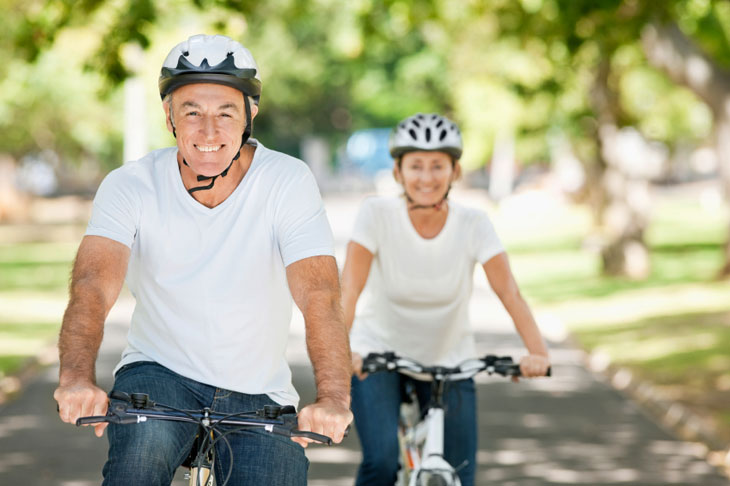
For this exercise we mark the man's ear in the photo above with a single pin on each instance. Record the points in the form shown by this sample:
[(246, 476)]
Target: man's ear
[(168, 121), (254, 109)]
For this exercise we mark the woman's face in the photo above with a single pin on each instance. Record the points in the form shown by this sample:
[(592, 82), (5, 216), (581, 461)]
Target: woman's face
[(426, 176)]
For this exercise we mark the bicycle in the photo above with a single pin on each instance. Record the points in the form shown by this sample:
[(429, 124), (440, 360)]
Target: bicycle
[(137, 408), (421, 432)]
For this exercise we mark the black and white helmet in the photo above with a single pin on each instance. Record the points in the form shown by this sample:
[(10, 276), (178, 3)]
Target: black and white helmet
[(210, 59), (429, 132)]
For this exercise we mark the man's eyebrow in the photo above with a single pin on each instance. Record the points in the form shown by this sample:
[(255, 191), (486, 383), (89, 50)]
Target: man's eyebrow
[(224, 106), (227, 106)]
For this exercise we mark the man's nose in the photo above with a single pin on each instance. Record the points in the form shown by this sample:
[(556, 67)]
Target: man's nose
[(209, 126)]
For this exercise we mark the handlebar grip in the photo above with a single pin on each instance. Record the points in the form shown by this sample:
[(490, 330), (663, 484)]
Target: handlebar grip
[(312, 435), (514, 370), (112, 419), (96, 419)]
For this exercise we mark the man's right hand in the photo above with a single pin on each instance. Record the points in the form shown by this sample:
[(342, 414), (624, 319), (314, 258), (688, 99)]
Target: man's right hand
[(81, 400)]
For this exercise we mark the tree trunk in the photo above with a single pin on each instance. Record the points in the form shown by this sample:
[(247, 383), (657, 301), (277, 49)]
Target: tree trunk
[(722, 142), (667, 48), (624, 191)]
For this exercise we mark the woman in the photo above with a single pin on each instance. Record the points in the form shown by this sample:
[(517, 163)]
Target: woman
[(418, 252)]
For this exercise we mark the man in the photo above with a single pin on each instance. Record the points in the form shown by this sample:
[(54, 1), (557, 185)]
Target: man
[(215, 236)]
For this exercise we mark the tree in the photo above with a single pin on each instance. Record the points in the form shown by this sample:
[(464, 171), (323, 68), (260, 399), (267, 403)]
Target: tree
[(669, 49), (527, 68)]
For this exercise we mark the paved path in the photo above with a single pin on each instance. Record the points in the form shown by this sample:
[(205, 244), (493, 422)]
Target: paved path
[(572, 429)]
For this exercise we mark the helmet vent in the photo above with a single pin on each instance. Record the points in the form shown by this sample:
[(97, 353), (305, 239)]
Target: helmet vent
[(429, 132)]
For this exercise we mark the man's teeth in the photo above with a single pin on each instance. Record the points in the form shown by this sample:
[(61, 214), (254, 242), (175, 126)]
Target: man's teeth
[(208, 148)]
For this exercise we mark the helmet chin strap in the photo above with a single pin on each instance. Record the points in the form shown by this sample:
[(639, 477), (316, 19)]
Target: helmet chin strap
[(244, 138)]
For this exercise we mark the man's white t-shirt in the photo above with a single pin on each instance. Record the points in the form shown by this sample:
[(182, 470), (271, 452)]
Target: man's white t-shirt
[(417, 295), (212, 299)]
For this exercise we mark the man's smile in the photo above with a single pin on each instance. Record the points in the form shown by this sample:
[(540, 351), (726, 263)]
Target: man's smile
[(208, 148)]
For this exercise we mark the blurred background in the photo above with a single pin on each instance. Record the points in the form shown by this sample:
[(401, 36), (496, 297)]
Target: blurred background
[(597, 137)]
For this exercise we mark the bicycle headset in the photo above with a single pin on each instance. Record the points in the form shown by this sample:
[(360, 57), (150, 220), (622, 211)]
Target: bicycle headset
[(213, 59), (427, 133)]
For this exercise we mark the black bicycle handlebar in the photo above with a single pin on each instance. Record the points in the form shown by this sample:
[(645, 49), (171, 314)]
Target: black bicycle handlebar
[(389, 361), (137, 408)]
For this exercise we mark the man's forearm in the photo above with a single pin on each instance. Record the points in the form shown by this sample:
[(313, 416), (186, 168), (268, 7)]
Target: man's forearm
[(81, 334), (315, 287), (328, 347)]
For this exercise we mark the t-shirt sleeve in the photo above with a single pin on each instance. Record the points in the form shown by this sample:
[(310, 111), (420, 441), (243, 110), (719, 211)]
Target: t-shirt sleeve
[(302, 228), (116, 209), (485, 241), (364, 232)]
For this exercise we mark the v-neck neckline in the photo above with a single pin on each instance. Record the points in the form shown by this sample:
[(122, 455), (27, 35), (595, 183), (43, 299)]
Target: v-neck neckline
[(227, 201)]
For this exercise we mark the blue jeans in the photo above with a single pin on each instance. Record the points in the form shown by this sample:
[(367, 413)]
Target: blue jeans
[(149, 453), (376, 405)]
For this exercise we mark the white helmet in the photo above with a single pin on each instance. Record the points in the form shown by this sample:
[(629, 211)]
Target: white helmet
[(210, 59), (429, 132)]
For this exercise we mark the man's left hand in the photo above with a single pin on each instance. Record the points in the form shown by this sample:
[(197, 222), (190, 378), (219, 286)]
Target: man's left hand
[(325, 416)]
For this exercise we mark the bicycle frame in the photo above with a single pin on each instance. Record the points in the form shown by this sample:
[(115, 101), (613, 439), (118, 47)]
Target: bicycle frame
[(422, 437), (201, 460), (422, 458)]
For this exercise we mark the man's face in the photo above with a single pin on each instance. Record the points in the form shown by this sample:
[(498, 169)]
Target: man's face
[(209, 120)]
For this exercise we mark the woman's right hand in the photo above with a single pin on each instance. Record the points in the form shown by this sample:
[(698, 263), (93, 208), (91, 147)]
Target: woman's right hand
[(357, 367)]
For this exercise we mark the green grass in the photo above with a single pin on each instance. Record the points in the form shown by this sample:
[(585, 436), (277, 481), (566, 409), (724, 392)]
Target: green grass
[(11, 363), (672, 329), (20, 341), (33, 284), (36, 266), (684, 355)]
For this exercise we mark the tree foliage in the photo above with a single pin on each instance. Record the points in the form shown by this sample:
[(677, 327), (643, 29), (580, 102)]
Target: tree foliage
[(524, 68)]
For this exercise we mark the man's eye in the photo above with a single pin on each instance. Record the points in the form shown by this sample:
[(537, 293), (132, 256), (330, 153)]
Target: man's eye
[(192, 113)]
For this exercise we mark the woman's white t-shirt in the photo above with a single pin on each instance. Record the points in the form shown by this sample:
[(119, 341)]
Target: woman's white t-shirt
[(416, 301)]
